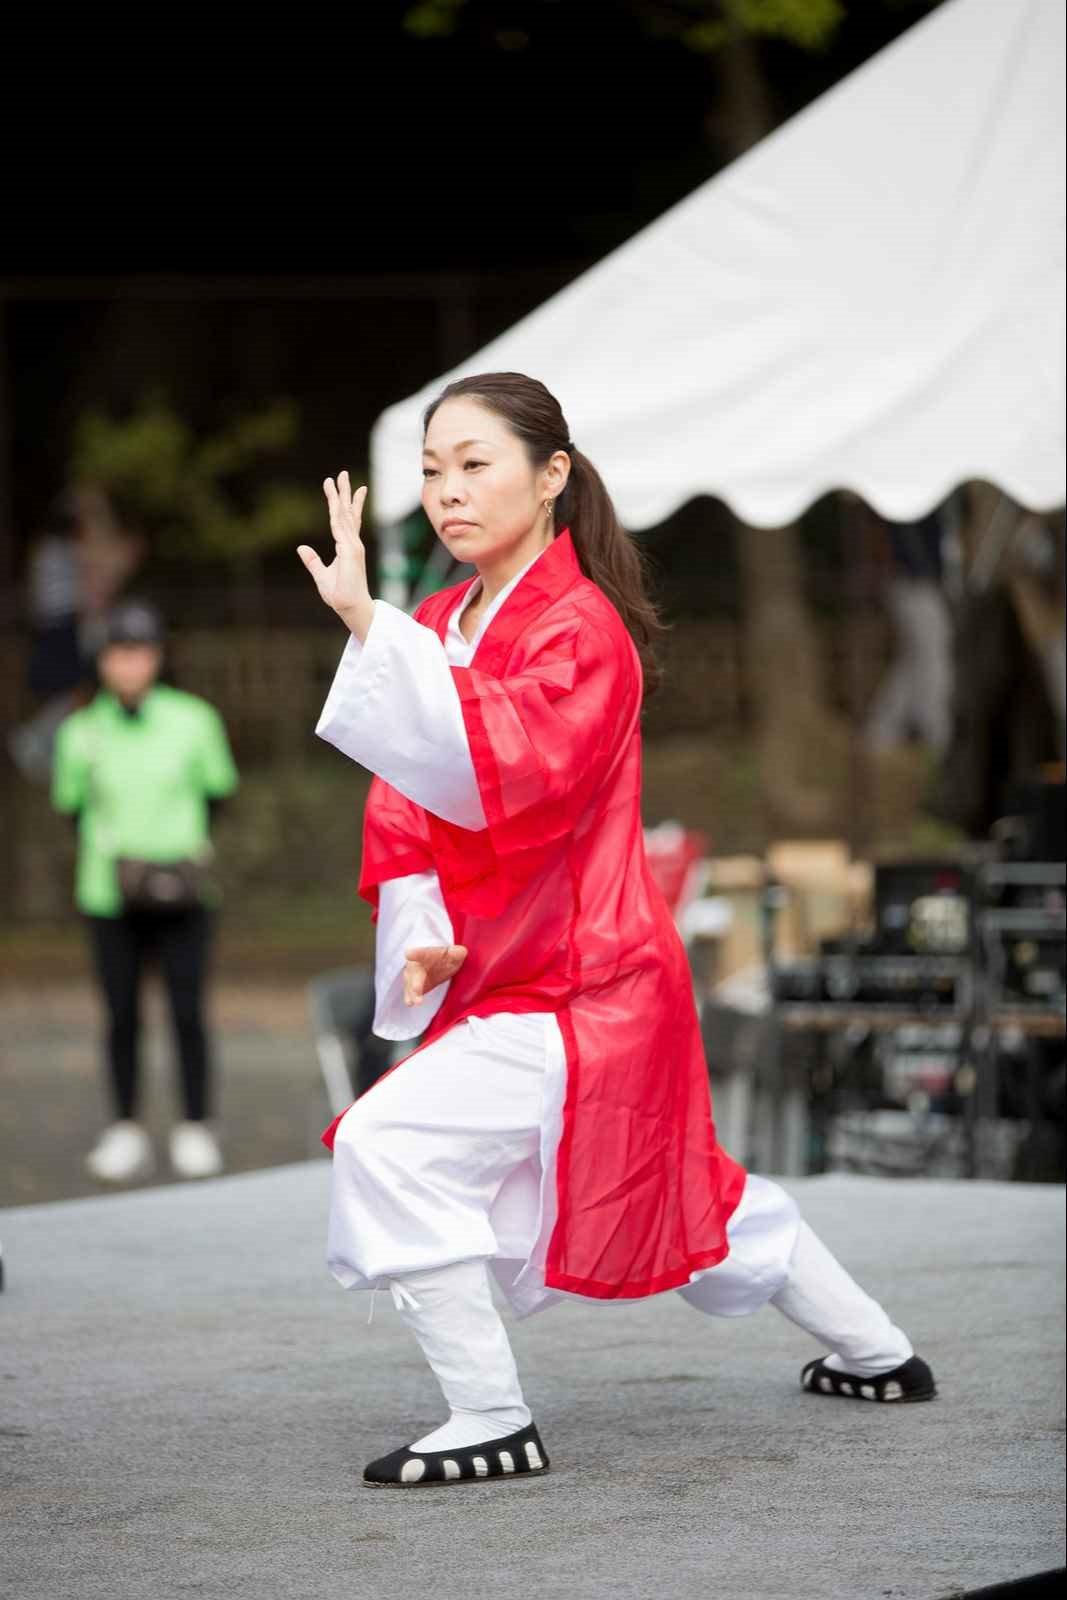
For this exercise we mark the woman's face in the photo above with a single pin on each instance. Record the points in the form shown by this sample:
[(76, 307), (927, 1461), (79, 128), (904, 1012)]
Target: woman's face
[(479, 490), (129, 670)]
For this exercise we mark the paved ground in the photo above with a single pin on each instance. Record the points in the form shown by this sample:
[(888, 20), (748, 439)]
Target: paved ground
[(187, 1401), (270, 1103)]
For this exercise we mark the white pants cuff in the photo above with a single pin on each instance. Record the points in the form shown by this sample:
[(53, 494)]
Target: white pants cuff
[(450, 1311), (820, 1297)]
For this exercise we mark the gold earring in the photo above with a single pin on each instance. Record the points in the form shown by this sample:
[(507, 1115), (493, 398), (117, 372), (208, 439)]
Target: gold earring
[(548, 507)]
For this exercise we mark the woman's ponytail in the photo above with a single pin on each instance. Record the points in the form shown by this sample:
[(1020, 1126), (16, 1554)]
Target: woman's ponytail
[(608, 556)]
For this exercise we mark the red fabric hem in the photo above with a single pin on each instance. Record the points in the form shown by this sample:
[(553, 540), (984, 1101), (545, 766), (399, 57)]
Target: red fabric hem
[(676, 1279), (566, 1138), (328, 1135)]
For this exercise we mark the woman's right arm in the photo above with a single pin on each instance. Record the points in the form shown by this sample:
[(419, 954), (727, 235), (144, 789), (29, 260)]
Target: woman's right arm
[(393, 708), (517, 758), (411, 912)]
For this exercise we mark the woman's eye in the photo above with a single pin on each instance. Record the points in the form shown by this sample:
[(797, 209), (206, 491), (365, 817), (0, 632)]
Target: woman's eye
[(428, 472), (474, 464)]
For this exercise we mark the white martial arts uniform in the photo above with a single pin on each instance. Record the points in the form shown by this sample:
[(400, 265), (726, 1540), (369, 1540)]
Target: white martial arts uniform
[(450, 1158)]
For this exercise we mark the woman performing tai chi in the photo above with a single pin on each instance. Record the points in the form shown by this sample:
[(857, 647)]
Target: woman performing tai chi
[(555, 1125)]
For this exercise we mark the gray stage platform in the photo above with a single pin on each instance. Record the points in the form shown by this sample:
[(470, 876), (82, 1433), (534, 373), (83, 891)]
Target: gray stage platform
[(188, 1400)]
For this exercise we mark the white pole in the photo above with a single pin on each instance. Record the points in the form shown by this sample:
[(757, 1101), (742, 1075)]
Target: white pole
[(393, 565)]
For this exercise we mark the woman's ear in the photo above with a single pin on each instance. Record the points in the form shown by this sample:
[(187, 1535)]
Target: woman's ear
[(556, 474)]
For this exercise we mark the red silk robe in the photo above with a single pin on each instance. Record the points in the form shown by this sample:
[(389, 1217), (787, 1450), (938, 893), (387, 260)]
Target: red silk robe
[(556, 905)]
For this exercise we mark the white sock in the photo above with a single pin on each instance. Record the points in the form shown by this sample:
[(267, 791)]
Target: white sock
[(450, 1310), (465, 1428), (820, 1297)]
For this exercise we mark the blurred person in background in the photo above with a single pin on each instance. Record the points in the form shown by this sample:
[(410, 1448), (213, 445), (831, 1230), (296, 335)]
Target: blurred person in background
[(914, 701), (141, 769), (57, 670), (1009, 722), (77, 567)]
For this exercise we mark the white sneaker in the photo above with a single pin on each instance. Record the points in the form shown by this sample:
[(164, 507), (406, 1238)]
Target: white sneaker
[(194, 1151), (122, 1153)]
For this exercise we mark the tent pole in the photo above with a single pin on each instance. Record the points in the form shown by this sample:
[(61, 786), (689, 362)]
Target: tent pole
[(393, 565), (854, 538)]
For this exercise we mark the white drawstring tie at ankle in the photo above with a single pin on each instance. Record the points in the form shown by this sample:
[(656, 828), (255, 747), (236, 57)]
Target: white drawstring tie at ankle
[(401, 1297), (451, 1313)]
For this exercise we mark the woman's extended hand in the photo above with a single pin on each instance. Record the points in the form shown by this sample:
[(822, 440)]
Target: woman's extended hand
[(343, 583), (429, 965)]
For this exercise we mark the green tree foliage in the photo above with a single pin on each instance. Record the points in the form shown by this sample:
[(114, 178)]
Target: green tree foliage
[(198, 495), (706, 25), (434, 19), (698, 25)]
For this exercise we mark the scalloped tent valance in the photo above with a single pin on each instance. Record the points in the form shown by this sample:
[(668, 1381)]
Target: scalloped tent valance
[(872, 298)]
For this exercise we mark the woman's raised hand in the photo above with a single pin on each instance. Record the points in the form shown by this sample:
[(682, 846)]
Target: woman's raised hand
[(343, 582), (429, 965)]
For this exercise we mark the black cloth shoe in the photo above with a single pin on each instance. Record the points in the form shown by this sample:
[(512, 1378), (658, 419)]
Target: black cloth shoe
[(912, 1381), (510, 1456)]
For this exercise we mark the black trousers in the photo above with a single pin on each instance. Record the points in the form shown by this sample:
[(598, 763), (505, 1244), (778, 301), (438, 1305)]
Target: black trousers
[(179, 942)]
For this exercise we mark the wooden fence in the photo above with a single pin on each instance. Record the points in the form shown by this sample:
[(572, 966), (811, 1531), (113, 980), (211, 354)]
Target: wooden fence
[(269, 684)]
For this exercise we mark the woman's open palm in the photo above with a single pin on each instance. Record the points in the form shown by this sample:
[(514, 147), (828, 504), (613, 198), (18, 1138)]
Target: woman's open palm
[(342, 583)]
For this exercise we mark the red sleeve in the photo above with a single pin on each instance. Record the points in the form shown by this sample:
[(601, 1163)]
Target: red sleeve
[(396, 840)]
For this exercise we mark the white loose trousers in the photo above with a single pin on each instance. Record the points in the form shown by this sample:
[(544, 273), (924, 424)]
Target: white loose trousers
[(451, 1157)]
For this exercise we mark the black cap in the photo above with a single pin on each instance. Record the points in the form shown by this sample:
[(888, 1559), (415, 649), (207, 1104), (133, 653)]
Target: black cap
[(133, 622)]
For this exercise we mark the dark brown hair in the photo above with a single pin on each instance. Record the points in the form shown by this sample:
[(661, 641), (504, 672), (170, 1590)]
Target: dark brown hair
[(605, 551)]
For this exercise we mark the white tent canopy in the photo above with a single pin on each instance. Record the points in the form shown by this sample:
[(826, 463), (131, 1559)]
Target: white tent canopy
[(872, 299)]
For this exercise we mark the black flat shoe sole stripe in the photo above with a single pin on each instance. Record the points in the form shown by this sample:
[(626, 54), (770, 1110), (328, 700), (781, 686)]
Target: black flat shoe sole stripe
[(452, 1483)]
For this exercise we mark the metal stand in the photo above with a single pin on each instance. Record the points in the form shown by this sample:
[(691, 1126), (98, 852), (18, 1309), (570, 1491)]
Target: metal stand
[(983, 1009)]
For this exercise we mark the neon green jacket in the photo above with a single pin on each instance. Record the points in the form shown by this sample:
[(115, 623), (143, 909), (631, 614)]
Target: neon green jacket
[(140, 783)]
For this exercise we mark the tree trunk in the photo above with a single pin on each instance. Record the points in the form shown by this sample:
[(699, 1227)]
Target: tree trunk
[(10, 605), (802, 744)]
